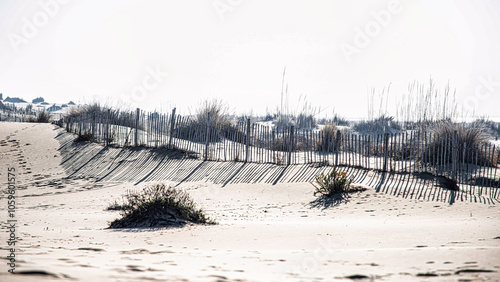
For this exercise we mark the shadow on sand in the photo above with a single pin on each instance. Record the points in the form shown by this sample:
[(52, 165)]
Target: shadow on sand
[(138, 165)]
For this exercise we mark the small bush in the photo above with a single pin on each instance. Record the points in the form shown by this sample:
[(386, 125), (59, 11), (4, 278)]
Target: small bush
[(157, 205), (336, 181)]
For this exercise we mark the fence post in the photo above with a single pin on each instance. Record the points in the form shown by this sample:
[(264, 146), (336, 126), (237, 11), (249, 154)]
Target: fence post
[(247, 140), (454, 154), (208, 137), (290, 147), (337, 146), (273, 144), (107, 127), (80, 126), (92, 128), (137, 113), (386, 150), (172, 125)]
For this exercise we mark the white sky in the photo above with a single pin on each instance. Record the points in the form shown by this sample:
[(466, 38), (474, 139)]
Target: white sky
[(88, 49)]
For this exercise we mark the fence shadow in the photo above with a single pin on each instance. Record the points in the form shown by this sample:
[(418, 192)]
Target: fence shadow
[(138, 165)]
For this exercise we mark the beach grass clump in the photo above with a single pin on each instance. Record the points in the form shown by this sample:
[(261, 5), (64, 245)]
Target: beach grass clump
[(493, 128), (157, 205), (43, 117), (328, 137), (382, 124), (336, 181), (212, 113), (216, 108), (471, 140), (97, 111), (92, 108), (338, 120)]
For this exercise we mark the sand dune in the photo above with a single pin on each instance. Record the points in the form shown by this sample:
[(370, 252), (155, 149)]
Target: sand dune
[(271, 227)]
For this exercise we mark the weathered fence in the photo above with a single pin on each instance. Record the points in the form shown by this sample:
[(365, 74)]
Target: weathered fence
[(204, 138), (16, 115)]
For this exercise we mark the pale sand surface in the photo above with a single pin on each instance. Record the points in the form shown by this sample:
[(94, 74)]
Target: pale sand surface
[(270, 226)]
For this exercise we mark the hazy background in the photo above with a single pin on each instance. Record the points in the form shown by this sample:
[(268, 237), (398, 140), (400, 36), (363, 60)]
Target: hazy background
[(237, 50)]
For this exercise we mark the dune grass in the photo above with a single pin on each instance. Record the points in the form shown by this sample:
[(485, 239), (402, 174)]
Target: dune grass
[(157, 205), (470, 138), (41, 117), (336, 181)]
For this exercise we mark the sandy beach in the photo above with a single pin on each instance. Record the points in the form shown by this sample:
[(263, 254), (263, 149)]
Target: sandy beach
[(270, 225)]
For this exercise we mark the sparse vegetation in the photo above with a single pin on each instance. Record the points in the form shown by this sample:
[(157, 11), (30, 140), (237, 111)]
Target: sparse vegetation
[(337, 181), (157, 205)]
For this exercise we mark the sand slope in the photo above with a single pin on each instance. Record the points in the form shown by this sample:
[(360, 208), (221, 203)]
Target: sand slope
[(271, 227)]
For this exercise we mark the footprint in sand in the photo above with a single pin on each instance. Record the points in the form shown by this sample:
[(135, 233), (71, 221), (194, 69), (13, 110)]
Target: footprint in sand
[(136, 268), (357, 277), (37, 273), (91, 249)]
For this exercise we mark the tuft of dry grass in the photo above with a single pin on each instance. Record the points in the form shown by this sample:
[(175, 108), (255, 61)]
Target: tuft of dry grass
[(42, 117), (157, 205), (328, 137), (336, 181), (218, 112), (471, 140)]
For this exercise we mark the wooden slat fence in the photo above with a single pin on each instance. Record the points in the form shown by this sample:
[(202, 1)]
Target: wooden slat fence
[(405, 152)]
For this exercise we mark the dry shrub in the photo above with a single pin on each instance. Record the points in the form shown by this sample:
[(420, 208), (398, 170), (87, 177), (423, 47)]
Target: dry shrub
[(157, 205), (336, 181)]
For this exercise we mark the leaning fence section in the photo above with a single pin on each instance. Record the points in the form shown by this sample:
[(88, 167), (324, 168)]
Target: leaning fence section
[(205, 138)]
